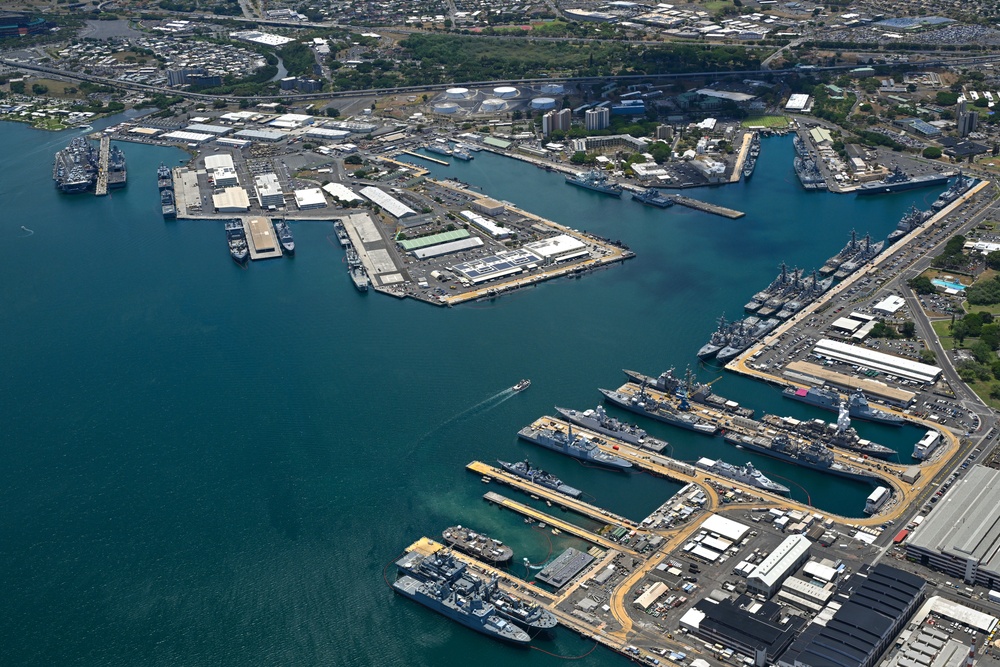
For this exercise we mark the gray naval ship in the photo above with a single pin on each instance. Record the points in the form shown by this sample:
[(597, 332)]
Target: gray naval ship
[(840, 434), (460, 601), (744, 474), (442, 566), (575, 445), (828, 399), (601, 422), (700, 392), (525, 470), (642, 403)]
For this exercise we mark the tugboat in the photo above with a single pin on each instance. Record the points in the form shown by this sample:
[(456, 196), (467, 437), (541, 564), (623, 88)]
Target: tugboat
[(284, 234), (475, 544), (521, 386)]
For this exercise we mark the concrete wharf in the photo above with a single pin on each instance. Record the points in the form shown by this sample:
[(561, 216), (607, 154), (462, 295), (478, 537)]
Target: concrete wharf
[(102, 166), (706, 207), (428, 158), (555, 522), (741, 157), (263, 241), (574, 505)]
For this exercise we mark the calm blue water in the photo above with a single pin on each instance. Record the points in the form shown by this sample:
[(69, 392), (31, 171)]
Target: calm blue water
[(205, 465)]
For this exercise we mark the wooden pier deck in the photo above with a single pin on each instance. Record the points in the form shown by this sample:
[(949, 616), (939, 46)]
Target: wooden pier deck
[(704, 206), (102, 166)]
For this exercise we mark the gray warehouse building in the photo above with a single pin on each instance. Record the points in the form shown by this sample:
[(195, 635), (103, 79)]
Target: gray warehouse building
[(758, 630), (961, 537), (865, 626)]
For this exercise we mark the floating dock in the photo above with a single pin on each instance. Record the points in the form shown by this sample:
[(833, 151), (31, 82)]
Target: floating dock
[(102, 166), (263, 241), (428, 158), (704, 206)]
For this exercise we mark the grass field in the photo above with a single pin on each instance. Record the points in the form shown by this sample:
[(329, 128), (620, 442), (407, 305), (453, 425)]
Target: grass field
[(766, 121), (49, 124), (943, 330)]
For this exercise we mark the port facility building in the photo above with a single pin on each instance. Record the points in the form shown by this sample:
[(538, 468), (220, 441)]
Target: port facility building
[(766, 578), (864, 626), (752, 628), (341, 192), (961, 537), (724, 527), (488, 226), (387, 202), (559, 248), (231, 200), (309, 198), (889, 364), (269, 191), (188, 137), (496, 266)]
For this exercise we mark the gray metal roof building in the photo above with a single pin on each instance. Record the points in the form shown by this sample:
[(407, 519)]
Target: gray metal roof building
[(864, 626), (754, 629), (962, 535)]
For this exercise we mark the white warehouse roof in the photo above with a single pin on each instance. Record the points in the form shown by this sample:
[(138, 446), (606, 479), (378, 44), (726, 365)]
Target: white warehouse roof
[(727, 528), (880, 361), (219, 161), (781, 561), (310, 198), (341, 192), (557, 246), (393, 206)]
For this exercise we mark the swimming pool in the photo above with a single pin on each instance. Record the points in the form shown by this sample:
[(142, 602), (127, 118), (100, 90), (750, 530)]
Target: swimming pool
[(950, 285)]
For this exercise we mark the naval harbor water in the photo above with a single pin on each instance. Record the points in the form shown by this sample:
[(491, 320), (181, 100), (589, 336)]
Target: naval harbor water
[(205, 465)]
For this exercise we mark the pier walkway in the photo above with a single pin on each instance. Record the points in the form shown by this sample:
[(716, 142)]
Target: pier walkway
[(579, 506), (102, 166), (428, 158), (555, 522), (705, 207)]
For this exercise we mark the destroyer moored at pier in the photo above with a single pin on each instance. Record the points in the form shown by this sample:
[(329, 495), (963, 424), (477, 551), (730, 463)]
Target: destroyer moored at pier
[(642, 403), (578, 446), (597, 181), (898, 181), (525, 470), (743, 474), (599, 421), (828, 399)]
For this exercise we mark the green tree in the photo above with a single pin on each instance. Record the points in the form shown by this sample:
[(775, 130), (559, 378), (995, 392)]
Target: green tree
[(932, 153), (921, 285), (908, 329), (993, 259), (990, 334)]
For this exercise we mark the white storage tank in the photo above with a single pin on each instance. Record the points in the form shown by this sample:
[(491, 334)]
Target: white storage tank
[(505, 92), (543, 103), (445, 107), (493, 104), (457, 93), (553, 89)]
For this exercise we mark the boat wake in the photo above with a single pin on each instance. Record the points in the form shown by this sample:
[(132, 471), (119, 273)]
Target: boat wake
[(482, 406), (30, 232)]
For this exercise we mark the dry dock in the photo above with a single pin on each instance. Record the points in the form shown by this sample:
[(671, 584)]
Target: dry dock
[(102, 166), (704, 206), (263, 241)]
